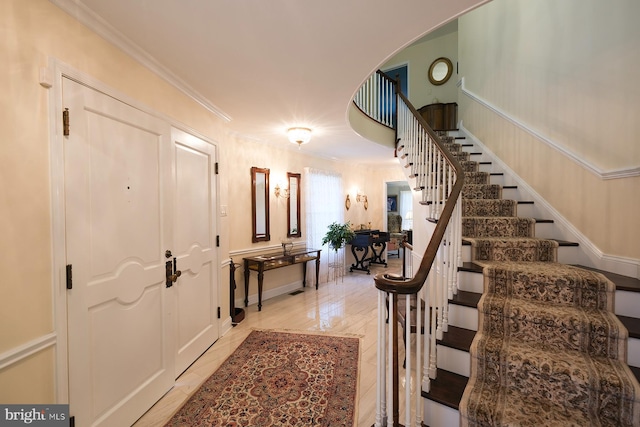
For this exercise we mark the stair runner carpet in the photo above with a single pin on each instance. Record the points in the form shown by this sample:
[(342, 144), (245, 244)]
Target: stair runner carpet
[(549, 350)]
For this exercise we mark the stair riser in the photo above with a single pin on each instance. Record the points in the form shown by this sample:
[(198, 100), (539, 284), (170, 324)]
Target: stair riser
[(471, 281), (527, 210), (453, 360), (627, 304), (485, 167), (633, 352), (545, 230), (437, 415), (566, 254), (463, 317)]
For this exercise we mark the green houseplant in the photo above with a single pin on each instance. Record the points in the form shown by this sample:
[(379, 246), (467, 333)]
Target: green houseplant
[(338, 235)]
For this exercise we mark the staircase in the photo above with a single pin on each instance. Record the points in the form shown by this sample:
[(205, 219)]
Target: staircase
[(578, 366), (607, 355)]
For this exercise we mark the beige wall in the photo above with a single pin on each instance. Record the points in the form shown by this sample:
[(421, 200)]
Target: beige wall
[(34, 31), (419, 58), (569, 71), (369, 180)]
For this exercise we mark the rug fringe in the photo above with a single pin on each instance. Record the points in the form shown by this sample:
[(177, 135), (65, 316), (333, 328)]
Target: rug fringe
[(306, 332)]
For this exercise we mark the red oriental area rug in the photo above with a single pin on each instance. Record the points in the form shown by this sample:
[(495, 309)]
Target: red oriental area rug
[(279, 379)]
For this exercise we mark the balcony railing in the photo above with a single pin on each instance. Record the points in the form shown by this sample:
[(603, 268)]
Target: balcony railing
[(439, 178)]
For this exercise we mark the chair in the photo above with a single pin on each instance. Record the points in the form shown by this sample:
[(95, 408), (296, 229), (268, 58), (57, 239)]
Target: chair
[(394, 227)]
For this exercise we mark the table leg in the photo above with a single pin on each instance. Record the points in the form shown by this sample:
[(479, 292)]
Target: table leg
[(360, 261), (260, 280), (317, 270), (246, 283), (304, 274)]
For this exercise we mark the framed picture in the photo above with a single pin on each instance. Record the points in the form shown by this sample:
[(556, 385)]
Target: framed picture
[(392, 203)]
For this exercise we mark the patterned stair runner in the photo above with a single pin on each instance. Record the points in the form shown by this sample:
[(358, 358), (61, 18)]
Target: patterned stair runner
[(549, 350)]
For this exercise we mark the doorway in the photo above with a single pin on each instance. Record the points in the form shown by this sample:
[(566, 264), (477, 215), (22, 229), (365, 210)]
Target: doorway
[(139, 234)]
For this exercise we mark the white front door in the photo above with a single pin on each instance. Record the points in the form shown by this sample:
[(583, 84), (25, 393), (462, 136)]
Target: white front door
[(130, 196), (194, 237)]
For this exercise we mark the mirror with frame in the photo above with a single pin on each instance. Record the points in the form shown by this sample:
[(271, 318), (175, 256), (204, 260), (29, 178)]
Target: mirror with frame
[(440, 71), (293, 207), (260, 204)]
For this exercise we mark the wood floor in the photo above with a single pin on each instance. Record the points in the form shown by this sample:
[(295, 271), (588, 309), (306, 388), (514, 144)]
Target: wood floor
[(347, 306)]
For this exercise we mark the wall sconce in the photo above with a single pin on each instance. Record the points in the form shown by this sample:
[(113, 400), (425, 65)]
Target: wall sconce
[(362, 198), (299, 135), (281, 193), (347, 203)]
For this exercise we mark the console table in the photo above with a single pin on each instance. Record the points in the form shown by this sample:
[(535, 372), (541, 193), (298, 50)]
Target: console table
[(275, 260)]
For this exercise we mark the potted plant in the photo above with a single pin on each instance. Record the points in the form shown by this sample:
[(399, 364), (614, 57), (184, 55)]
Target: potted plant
[(338, 235)]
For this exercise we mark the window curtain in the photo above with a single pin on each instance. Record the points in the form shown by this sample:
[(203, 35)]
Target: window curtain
[(324, 205), (406, 206)]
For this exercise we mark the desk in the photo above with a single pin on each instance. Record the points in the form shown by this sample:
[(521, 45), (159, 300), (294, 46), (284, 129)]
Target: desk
[(275, 260), (362, 242)]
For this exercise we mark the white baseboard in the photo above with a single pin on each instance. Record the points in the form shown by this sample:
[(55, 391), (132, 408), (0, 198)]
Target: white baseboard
[(225, 326), (272, 293)]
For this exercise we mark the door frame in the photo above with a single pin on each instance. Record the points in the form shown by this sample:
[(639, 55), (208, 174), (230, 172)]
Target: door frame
[(51, 77)]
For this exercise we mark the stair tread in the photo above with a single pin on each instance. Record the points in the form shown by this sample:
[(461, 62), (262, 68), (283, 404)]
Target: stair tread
[(636, 372), (471, 267), (632, 324), (458, 338), (543, 221), (466, 298), (447, 388), (623, 283)]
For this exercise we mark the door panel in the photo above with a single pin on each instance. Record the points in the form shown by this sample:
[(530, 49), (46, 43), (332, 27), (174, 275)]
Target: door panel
[(194, 243), (121, 349)]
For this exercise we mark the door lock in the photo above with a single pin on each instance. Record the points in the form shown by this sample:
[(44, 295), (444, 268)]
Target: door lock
[(172, 273)]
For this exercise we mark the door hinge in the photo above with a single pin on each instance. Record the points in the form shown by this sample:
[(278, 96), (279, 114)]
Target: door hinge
[(69, 277), (219, 315), (65, 122), (216, 168), (218, 241)]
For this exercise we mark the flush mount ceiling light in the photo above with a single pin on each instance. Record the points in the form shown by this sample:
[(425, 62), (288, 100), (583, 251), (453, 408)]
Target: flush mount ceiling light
[(299, 135)]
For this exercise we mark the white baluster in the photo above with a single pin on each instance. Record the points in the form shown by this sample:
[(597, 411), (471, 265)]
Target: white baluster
[(381, 383), (418, 375), (408, 359), (392, 324)]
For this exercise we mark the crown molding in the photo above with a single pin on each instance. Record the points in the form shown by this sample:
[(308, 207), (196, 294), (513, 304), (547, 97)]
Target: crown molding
[(86, 16), (602, 174)]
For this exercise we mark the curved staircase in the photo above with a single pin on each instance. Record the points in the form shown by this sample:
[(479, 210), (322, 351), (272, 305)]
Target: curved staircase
[(546, 347)]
